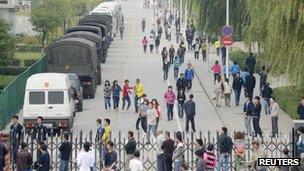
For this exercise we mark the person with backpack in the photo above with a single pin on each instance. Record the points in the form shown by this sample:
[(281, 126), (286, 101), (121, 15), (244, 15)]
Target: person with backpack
[(171, 54), (144, 43), (181, 52), (256, 115), (266, 95), (210, 158), (225, 147), (189, 76), (239, 148), (100, 130), (181, 83), (181, 98), (247, 110), (176, 64), (143, 24)]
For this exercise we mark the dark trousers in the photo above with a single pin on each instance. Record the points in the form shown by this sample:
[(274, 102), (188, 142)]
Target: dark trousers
[(171, 59), (196, 55), (168, 162), (145, 48), (181, 110), (157, 121), (124, 99), (215, 76), (151, 48), (256, 126), (237, 93), (190, 119), (160, 162), (249, 93), (189, 84), (170, 111), (274, 125), (115, 102), (165, 75), (143, 123), (176, 73), (135, 103), (204, 55)]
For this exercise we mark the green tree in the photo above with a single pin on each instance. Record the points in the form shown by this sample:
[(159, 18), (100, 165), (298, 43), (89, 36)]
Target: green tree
[(7, 43), (46, 17)]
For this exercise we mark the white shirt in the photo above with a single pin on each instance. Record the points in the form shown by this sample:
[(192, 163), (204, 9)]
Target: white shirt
[(136, 165), (85, 160)]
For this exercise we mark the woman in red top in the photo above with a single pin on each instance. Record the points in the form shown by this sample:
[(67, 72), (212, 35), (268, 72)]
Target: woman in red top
[(216, 68), (157, 108), (144, 42), (125, 95)]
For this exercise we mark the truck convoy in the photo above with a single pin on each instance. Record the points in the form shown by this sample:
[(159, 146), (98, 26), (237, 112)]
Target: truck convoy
[(75, 59)]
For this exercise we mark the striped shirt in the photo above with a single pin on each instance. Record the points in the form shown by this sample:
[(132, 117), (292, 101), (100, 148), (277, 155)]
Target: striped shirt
[(210, 159)]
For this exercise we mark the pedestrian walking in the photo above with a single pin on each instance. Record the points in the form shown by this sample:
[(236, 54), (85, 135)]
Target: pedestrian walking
[(159, 151), (43, 162), (121, 29), (16, 133), (247, 110), (200, 163), (224, 55), (235, 69), (181, 52), (176, 64), (143, 24), (171, 54), (250, 85), (159, 31), (244, 76), (100, 130), (225, 146), (116, 94), (169, 97), (189, 76), (143, 107), (257, 153), (227, 92), (216, 68), (190, 112), (300, 109), (151, 121), (110, 157), (210, 158), (151, 44), (164, 55), (181, 98), (181, 83), (158, 111), (178, 156), (266, 95), (274, 113), (196, 48), (219, 88), (168, 148), (24, 158), (135, 164), (189, 37), (256, 114), (144, 43), (237, 88), (65, 150), (166, 66), (263, 78), (107, 131), (125, 95), (85, 160), (169, 33), (250, 63), (204, 51), (107, 92), (130, 148), (157, 43), (239, 148), (139, 91)]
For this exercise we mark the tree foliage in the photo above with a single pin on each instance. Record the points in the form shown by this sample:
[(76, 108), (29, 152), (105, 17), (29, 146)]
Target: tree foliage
[(7, 43)]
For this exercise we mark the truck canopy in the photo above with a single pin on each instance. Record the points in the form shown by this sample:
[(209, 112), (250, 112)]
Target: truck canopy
[(92, 29)]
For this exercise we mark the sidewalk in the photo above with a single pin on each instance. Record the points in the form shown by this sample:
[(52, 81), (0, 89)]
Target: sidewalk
[(233, 116)]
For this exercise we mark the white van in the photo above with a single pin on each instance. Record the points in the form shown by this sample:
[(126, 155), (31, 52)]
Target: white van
[(49, 95)]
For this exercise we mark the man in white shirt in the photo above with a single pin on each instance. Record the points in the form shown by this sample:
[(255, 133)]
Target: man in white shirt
[(135, 164)]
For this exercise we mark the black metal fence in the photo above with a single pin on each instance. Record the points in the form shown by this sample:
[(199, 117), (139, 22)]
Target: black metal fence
[(273, 147)]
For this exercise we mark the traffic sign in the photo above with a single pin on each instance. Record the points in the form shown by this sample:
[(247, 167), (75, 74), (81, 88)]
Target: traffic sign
[(227, 30), (227, 41)]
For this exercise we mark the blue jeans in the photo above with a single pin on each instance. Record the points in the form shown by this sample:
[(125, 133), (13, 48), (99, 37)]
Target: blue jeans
[(151, 130), (64, 165), (170, 111), (266, 105), (237, 93), (107, 102), (223, 161), (177, 166), (124, 99), (160, 162), (175, 73), (115, 102)]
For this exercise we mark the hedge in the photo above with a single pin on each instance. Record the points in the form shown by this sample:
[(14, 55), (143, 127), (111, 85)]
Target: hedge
[(12, 70), (27, 48), (15, 62), (29, 62)]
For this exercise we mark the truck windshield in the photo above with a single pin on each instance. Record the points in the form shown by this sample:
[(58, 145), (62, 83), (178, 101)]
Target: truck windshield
[(36, 97), (70, 54), (55, 97)]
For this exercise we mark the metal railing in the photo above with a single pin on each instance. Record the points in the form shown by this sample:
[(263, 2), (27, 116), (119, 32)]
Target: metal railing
[(273, 147)]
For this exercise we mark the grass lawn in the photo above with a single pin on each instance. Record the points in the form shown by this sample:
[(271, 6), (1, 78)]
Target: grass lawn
[(288, 98), (5, 80), (28, 55)]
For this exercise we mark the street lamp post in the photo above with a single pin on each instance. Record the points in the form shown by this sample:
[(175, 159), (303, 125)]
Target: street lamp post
[(227, 50)]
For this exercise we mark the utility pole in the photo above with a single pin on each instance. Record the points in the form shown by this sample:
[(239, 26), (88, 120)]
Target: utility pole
[(227, 49)]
